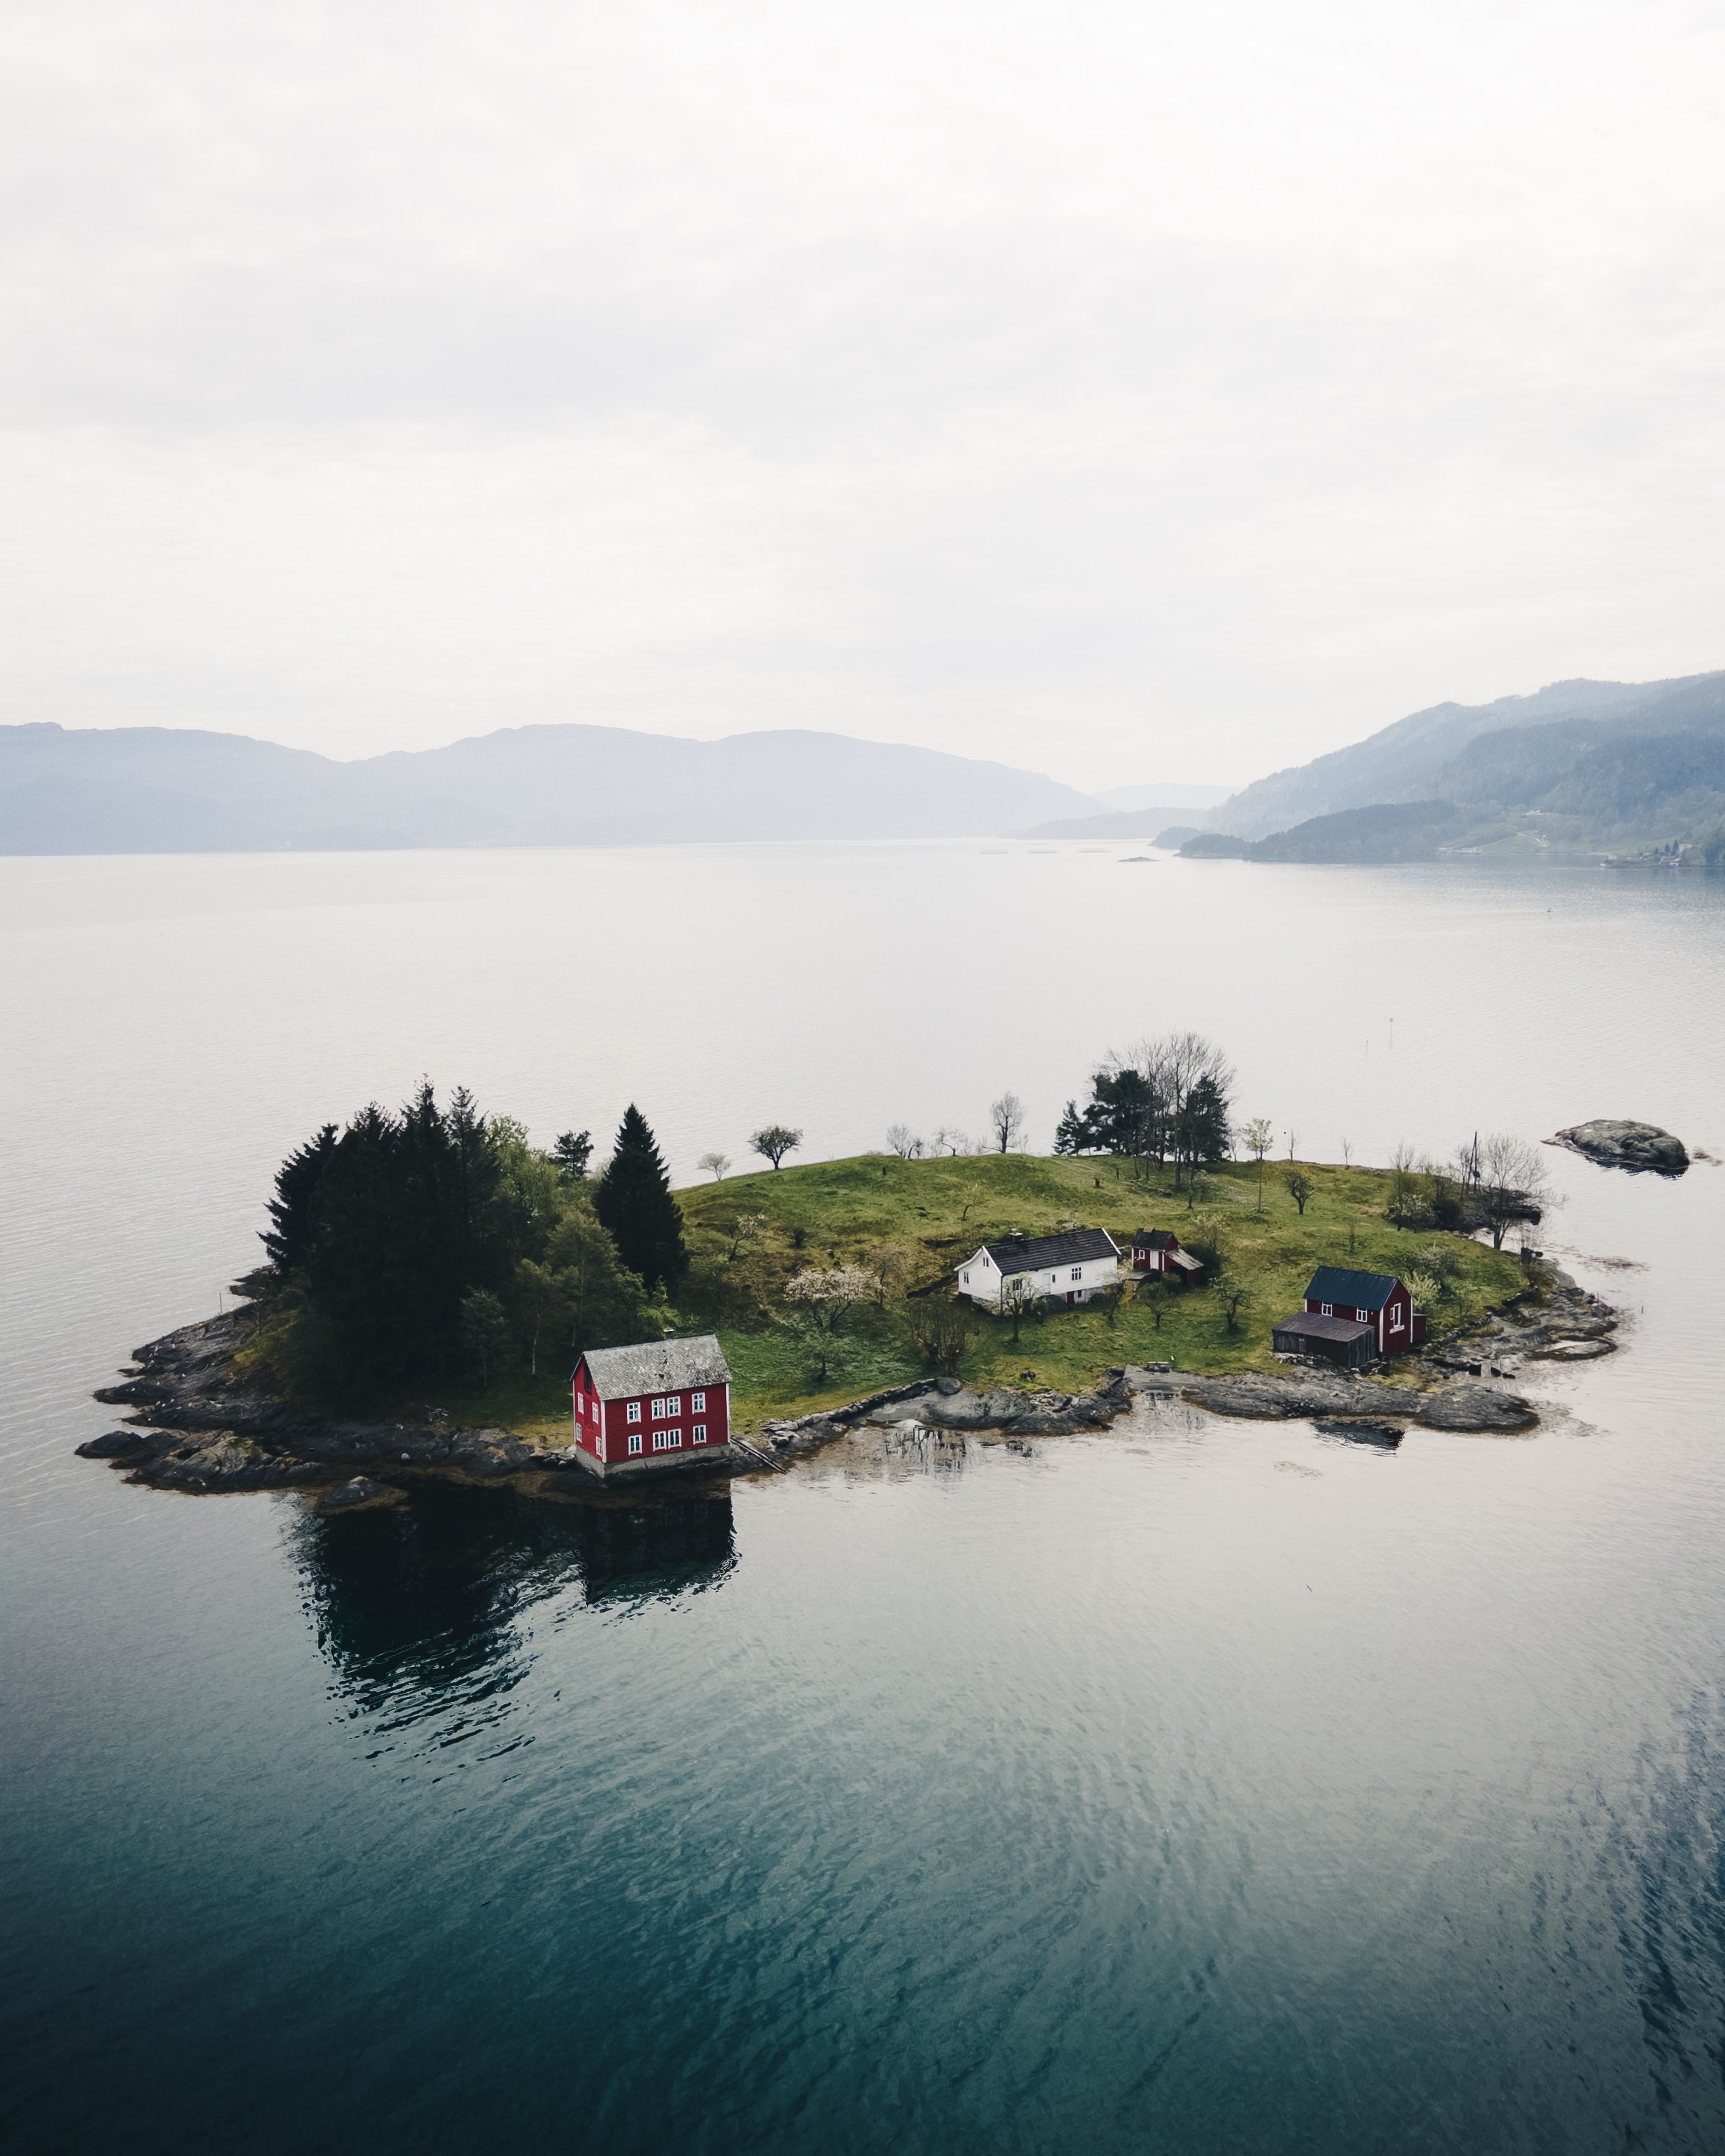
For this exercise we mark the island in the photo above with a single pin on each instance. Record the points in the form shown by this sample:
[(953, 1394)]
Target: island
[(834, 1289)]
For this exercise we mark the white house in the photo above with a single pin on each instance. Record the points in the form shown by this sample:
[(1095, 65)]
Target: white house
[(1068, 1268)]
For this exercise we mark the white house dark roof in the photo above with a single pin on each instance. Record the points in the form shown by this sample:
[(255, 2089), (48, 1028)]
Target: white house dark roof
[(1029, 1254), (656, 1366), (1364, 1291)]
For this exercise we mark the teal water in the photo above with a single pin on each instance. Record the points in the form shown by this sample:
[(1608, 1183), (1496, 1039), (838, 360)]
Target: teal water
[(1198, 1787)]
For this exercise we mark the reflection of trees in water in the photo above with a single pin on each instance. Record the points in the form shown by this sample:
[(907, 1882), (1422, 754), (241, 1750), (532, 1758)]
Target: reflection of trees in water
[(416, 1608)]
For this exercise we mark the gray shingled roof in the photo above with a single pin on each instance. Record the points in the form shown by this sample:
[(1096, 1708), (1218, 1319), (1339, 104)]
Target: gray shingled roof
[(1154, 1239), (656, 1366), (1036, 1252), (1306, 1326), (1364, 1291)]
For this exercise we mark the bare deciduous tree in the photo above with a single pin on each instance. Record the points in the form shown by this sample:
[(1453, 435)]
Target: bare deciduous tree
[(1018, 1299), (774, 1140), (1006, 1118), (1404, 1201), (943, 1327), (716, 1164), (1258, 1137), (950, 1140), (891, 1264), (1513, 1183), (904, 1142)]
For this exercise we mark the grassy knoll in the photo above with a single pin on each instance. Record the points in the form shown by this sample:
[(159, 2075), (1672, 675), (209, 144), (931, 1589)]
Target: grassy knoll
[(750, 1233)]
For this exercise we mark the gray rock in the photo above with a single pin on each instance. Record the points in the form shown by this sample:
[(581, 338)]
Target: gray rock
[(115, 1445), (1386, 1434), (1635, 1146), (348, 1497), (1475, 1408)]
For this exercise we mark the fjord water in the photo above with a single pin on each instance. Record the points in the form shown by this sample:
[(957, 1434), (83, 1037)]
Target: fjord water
[(1199, 1786)]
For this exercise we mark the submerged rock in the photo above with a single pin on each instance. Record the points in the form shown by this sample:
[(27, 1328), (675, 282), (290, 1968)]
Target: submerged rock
[(1635, 1146), (358, 1495)]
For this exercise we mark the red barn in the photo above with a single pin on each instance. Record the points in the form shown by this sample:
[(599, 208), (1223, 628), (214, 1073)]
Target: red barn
[(1377, 1300), (659, 1403)]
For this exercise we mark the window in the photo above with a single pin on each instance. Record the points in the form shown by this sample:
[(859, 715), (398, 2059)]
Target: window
[(673, 1405), (1328, 1310), (659, 1409), (635, 1414), (698, 1432), (698, 1402), (1395, 1318), (1078, 1272), (966, 1280), (635, 1440), (1364, 1316), (667, 1440), (580, 1405)]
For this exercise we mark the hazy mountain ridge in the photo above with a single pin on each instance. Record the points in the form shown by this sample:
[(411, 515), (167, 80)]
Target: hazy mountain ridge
[(164, 790), (1425, 754)]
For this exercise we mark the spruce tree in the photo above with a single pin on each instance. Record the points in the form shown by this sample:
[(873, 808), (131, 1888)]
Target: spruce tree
[(633, 1200)]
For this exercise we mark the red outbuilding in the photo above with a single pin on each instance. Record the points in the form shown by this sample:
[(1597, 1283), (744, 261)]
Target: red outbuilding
[(1158, 1250), (1378, 1300), (659, 1403)]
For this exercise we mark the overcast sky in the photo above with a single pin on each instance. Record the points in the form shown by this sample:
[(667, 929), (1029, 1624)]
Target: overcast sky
[(1121, 390)]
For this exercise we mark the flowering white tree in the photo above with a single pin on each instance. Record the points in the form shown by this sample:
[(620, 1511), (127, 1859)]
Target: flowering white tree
[(827, 1292)]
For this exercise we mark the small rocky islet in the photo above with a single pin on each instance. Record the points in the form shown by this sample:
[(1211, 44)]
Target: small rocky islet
[(198, 1425), (1642, 1149)]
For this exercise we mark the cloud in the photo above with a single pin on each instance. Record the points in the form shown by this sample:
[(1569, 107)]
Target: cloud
[(1124, 391)]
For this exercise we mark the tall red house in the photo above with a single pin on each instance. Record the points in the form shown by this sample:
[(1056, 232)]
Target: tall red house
[(661, 1403), (1351, 1317)]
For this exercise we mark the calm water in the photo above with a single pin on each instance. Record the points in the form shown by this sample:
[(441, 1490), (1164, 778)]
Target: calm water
[(1200, 1787)]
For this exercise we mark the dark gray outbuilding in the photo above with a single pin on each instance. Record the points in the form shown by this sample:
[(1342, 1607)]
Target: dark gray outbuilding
[(1342, 1340)]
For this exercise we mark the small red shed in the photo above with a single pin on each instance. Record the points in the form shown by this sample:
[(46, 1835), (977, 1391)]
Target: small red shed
[(1158, 1250), (1378, 1300), (658, 1404)]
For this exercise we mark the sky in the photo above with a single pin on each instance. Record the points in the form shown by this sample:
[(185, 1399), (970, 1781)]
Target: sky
[(1126, 392)]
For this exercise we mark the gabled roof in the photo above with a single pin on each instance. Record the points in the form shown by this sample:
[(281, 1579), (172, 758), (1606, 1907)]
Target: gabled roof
[(656, 1366), (1029, 1254), (1364, 1290), (1154, 1239), (1306, 1326)]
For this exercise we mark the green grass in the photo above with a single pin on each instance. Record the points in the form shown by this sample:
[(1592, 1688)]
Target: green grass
[(938, 1211)]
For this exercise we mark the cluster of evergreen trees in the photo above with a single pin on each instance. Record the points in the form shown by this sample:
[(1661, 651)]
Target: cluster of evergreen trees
[(1164, 1099), (413, 1248)]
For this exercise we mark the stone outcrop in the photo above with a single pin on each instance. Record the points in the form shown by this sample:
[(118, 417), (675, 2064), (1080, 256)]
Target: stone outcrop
[(360, 1494), (1641, 1148)]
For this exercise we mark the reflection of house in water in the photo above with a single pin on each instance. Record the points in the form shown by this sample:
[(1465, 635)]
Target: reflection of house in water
[(422, 1602)]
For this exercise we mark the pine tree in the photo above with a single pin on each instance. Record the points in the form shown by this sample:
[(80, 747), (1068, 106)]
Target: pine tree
[(633, 1200), (293, 1210)]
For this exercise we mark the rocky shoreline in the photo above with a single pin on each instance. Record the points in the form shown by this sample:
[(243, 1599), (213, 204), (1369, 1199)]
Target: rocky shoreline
[(198, 1427)]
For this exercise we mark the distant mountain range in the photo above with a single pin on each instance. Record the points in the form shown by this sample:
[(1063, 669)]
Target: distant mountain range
[(1581, 763), (153, 790), (1592, 764)]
